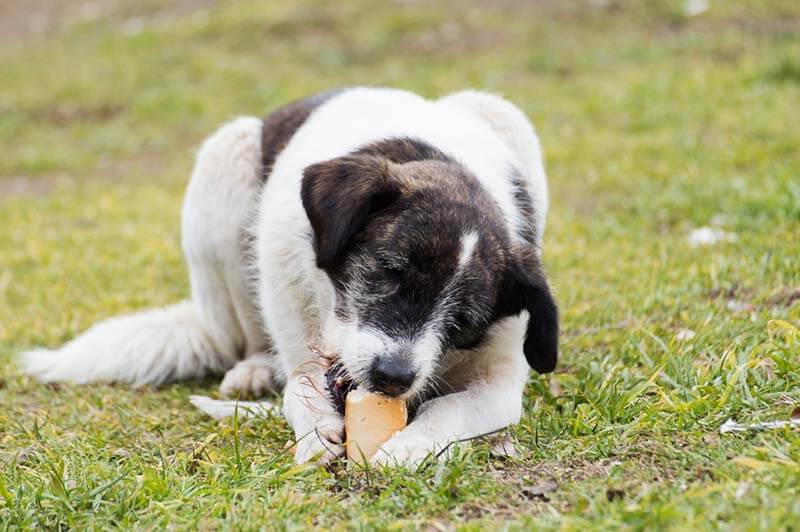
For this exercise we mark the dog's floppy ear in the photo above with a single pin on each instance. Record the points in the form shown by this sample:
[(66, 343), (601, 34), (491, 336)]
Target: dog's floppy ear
[(339, 196), (525, 288)]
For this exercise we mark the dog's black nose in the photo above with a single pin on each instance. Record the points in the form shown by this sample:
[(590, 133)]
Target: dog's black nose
[(391, 376)]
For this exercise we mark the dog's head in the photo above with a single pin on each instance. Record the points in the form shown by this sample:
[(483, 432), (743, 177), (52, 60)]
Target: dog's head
[(421, 264)]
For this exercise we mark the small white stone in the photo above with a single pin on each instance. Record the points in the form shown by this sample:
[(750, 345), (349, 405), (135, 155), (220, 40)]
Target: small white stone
[(720, 220), (738, 306), (692, 8), (706, 236), (741, 490), (503, 448), (133, 26)]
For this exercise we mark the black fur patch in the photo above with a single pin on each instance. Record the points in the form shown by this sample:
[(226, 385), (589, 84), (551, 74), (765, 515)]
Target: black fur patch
[(524, 203), (281, 125), (400, 150), (339, 384), (339, 196), (525, 288)]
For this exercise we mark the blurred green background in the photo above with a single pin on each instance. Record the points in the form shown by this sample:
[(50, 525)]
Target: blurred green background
[(656, 118)]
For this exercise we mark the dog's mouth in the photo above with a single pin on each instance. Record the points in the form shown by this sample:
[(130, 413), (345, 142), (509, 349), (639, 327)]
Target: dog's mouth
[(338, 384)]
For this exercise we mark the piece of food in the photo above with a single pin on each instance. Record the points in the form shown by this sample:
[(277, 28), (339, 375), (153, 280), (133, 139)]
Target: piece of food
[(370, 419)]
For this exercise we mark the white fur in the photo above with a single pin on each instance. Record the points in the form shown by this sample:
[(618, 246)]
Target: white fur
[(219, 409), (293, 307), (170, 343), (356, 344), (424, 352), (468, 243), (257, 375)]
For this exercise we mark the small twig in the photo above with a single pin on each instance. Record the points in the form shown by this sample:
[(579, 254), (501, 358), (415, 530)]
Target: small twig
[(322, 441), (446, 447), (438, 455)]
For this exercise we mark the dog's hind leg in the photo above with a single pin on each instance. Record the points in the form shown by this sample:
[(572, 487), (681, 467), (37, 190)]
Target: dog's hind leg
[(217, 216), (208, 334)]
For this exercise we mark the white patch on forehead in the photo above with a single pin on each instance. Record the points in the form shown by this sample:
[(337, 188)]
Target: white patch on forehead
[(468, 243)]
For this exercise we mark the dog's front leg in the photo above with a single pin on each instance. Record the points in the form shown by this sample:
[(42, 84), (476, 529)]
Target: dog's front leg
[(442, 421), (318, 427), (491, 400)]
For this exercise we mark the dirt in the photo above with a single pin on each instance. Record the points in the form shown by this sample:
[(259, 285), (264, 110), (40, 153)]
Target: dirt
[(62, 115), (24, 20), (17, 186), (132, 169), (785, 297)]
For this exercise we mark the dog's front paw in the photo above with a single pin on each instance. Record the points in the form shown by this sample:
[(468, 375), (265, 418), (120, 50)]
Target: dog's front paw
[(407, 450), (324, 443), (252, 377)]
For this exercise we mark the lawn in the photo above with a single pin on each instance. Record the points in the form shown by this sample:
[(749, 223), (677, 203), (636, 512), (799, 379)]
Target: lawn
[(653, 123)]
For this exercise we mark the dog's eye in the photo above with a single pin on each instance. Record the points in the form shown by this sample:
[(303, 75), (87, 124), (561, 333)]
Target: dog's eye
[(464, 332), (394, 273), (392, 267), (461, 320)]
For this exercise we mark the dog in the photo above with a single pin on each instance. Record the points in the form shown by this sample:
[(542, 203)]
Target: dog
[(401, 234)]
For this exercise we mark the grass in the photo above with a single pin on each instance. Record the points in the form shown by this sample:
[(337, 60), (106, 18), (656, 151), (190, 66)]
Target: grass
[(653, 123)]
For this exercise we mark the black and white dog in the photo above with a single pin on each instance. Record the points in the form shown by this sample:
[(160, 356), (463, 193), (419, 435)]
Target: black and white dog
[(399, 233)]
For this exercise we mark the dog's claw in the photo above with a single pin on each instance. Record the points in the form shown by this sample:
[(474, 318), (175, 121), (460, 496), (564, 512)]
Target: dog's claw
[(407, 451), (325, 443), (252, 377)]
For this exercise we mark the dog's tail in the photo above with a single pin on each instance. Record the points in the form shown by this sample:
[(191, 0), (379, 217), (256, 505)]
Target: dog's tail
[(149, 347)]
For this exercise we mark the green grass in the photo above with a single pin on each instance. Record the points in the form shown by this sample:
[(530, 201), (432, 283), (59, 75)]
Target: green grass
[(652, 124)]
